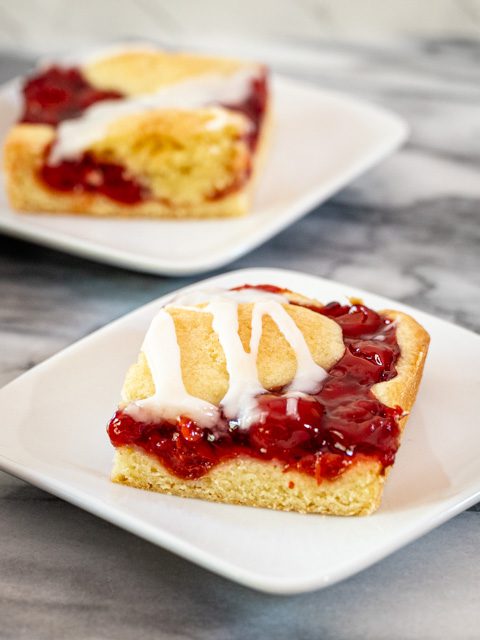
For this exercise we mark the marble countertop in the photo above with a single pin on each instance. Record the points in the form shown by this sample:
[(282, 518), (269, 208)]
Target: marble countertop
[(409, 229)]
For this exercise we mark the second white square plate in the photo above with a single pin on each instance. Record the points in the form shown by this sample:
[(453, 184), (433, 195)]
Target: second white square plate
[(321, 140), (53, 435)]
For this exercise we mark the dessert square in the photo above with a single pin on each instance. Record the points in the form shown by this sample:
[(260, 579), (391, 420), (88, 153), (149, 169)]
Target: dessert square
[(139, 133), (263, 397)]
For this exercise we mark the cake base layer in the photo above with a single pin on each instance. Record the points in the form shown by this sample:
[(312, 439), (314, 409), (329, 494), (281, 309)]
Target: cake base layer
[(259, 484)]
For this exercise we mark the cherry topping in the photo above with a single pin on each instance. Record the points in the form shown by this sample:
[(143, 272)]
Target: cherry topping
[(254, 106), (320, 435), (355, 320), (189, 430), (88, 175), (58, 93)]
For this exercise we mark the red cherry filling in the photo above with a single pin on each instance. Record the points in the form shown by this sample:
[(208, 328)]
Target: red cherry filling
[(60, 93), (57, 93), (254, 106), (355, 320), (88, 175), (321, 434)]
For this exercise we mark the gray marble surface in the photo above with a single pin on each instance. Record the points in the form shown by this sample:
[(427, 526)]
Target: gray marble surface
[(409, 229)]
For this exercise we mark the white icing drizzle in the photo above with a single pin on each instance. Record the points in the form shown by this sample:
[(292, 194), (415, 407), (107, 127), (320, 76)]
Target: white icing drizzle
[(74, 136), (170, 399), (309, 374), (162, 352), (244, 385)]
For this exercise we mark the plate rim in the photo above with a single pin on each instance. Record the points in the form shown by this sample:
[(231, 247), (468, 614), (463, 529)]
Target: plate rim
[(185, 549)]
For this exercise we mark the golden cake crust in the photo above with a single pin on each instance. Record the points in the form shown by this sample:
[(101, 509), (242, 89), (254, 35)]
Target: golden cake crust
[(146, 71), (413, 341), (246, 481), (191, 170)]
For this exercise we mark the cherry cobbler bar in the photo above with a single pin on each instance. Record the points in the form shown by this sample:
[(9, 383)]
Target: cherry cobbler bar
[(263, 397), (139, 132)]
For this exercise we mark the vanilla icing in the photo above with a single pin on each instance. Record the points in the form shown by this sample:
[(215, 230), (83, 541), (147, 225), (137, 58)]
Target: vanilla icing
[(162, 352), (170, 399), (76, 135)]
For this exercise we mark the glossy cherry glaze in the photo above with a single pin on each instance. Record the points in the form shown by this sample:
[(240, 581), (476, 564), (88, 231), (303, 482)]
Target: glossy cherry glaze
[(88, 176), (324, 434), (58, 93), (254, 106)]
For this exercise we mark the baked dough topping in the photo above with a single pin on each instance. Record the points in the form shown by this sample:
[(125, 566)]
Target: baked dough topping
[(75, 136), (287, 380), (239, 403)]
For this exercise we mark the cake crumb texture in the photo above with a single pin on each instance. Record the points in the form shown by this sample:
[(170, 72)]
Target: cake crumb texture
[(261, 484), (146, 71)]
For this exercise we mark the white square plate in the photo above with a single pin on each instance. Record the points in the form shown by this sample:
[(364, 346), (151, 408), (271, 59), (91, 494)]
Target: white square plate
[(320, 142), (53, 435)]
